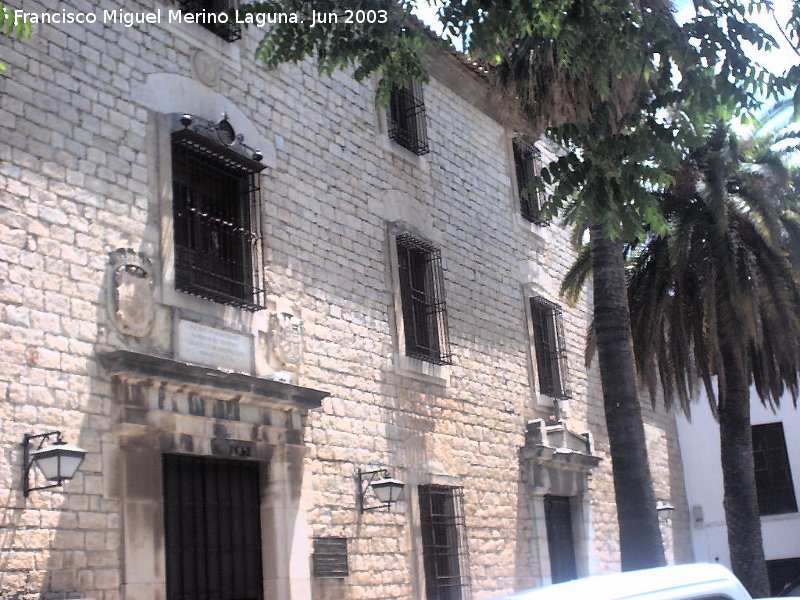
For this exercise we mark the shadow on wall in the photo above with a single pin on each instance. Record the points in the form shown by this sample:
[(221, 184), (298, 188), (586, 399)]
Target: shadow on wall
[(680, 523), (524, 575), (663, 448), (60, 543)]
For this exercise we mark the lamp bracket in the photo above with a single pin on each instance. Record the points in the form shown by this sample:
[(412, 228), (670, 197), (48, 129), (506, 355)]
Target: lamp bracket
[(27, 463), (365, 479)]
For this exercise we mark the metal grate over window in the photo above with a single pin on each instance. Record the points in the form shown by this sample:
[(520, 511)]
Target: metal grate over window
[(217, 222), (212, 529), (444, 543), (208, 11), (528, 165), (773, 472), (550, 348), (422, 294), (406, 115)]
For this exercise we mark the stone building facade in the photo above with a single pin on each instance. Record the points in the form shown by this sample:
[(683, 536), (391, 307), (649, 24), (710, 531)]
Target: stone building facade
[(387, 309)]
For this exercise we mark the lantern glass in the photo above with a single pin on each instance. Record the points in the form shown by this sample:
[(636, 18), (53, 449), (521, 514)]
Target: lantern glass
[(388, 490), (58, 462)]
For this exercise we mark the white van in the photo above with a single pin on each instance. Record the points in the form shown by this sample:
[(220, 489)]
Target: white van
[(680, 582)]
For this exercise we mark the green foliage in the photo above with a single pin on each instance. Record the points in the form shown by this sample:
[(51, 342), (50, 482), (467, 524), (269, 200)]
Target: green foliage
[(11, 26), (668, 81), (792, 35), (620, 85), (391, 48), (722, 275)]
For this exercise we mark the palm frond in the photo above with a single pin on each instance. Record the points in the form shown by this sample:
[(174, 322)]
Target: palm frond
[(578, 273), (720, 290)]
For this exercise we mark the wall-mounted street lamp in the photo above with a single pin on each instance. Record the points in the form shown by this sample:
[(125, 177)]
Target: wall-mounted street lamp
[(384, 488), (664, 509), (58, 462)]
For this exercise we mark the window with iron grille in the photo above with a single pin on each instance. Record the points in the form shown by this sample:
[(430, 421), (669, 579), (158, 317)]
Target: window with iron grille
[(444, 543), (212, 529), (528, 165), (207, 11), (773, 473), (422, 296), (549, 347), (406, 118), (216, 200)]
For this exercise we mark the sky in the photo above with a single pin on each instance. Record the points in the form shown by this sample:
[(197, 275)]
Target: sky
[(777, 61)]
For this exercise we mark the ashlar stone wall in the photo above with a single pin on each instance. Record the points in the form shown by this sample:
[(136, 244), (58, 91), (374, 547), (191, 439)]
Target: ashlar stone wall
[(83, 172)]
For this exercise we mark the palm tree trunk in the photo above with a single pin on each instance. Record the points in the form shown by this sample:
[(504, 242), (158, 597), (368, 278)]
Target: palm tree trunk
[(639, 534), (738, 476)]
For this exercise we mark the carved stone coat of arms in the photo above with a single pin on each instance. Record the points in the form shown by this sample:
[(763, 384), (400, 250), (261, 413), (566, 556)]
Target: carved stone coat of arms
[(131, 304), (286, 333)]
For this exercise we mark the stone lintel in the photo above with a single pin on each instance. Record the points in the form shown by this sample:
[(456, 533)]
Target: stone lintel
[(124, 363), (561, 457)]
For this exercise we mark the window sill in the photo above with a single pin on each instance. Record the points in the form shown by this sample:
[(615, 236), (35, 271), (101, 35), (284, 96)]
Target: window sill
[(530, 227), (421, 370), (545, 400), (419, 162), (787, 516)]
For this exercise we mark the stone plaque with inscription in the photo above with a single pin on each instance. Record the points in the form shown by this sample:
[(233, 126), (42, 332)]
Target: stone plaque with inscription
[(204, 345)]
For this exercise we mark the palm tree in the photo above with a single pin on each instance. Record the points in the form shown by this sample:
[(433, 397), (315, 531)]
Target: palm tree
[(717, 299), (597, 75), (640, 538)]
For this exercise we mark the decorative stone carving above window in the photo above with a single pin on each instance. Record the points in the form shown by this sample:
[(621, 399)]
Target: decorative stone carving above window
[(205, 68), (244, 414), (286, 338), (560, 461), (130, 293)]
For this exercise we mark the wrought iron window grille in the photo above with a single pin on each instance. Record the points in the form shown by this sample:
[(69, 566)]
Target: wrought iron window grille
[(528, 166), (207, 11), (773, 471), (445, 551), (406, 119), (550, 348), (423, 301), (217, 214)]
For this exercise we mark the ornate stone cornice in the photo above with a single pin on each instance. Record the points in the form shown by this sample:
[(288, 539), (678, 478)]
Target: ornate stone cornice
[(133, 365)]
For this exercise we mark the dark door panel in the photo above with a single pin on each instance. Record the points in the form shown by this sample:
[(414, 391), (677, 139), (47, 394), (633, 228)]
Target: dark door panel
[(212, 529), (560, 541)]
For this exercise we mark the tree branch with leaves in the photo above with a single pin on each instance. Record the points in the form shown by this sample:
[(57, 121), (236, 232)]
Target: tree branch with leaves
[(11, 26), (625, 90)]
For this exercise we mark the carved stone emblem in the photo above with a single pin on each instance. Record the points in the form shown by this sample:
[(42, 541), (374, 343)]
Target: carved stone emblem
[(286, 337), (205, 68), (131, 303)]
